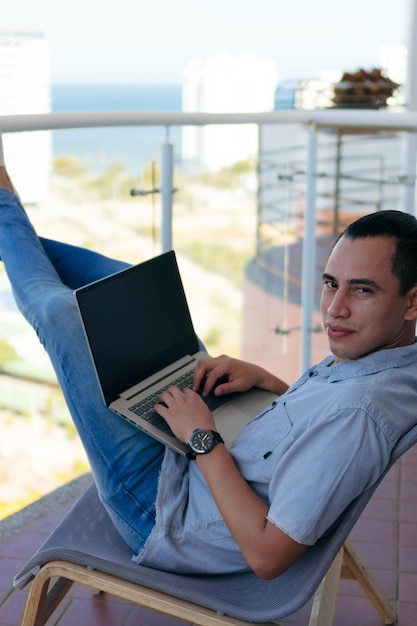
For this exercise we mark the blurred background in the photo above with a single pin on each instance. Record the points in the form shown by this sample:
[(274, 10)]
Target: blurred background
[(239, 190)]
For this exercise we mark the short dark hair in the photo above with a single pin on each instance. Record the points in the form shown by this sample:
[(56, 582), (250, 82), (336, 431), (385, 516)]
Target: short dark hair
[(400, 226)]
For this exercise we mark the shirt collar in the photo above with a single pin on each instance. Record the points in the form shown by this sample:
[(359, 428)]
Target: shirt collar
[(370, 364)]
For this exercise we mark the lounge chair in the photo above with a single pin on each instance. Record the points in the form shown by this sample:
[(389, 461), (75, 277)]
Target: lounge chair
[(85, 548)]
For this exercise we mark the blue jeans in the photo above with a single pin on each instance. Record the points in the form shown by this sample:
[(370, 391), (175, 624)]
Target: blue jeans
[(43, 273)]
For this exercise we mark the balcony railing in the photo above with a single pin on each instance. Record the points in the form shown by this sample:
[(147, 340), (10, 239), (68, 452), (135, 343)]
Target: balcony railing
[(341, 121)]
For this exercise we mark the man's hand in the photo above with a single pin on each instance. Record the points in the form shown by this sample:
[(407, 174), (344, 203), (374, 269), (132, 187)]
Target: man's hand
[(238, 376), (184, 411)]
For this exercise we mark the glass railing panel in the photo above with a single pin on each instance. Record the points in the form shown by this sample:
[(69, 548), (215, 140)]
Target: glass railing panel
[(88, 201), (357, 172)]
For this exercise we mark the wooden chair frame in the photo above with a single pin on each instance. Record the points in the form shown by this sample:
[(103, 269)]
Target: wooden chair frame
[(45, 595)]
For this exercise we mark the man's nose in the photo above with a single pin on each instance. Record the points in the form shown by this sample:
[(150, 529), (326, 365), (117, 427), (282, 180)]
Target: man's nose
[(338, 305)]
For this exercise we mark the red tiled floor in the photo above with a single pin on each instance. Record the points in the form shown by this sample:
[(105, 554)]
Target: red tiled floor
[(386, 536)]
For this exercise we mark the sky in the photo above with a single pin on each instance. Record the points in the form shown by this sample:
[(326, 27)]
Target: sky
[(138, 41)]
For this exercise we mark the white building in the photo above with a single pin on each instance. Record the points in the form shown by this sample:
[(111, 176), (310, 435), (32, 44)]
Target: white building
[(25, 88), (226, 84)]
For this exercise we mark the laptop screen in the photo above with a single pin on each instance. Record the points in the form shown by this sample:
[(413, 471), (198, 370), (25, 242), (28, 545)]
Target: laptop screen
[(136, 321)]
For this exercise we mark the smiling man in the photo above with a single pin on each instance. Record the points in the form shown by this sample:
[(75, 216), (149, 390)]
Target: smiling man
[(364, 306), (332, 432), (297, 465)]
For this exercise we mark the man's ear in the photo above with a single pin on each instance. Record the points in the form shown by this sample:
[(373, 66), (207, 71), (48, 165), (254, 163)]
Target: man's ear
[(411, 312)]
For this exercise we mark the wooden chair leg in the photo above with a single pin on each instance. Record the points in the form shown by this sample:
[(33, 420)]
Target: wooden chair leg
[(325, 598), (355, 568), (43, 598)]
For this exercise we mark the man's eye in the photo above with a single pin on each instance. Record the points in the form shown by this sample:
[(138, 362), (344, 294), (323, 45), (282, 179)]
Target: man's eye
[(329, 284)]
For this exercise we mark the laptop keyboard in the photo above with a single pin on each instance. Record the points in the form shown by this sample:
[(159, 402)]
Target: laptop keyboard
[(144, 408)]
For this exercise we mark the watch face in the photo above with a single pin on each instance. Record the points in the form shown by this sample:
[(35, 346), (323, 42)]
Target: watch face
[(202, 441)]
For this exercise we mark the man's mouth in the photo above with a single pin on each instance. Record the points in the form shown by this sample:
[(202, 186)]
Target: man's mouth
[(337, 332)]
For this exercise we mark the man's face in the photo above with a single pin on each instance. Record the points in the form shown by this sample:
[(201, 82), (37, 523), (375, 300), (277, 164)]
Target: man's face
[(360, 303)]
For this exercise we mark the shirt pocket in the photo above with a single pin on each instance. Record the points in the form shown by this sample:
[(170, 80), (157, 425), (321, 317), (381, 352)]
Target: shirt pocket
[(267, 431)]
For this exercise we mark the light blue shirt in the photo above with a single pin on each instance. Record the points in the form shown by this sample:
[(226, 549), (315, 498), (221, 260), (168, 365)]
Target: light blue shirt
[(308, 456)]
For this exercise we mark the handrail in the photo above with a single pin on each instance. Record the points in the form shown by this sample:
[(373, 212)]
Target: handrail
[(338, 119), (331, 118)]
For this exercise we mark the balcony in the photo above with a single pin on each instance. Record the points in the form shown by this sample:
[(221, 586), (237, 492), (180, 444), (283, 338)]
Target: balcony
[(315, 170)]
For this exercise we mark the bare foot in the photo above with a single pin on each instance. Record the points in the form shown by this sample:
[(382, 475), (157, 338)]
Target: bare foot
[(5, 181)]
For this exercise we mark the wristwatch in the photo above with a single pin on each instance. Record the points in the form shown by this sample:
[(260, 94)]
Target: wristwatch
[(202, 442)]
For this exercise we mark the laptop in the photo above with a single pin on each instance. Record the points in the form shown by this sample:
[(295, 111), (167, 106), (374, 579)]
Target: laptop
[(141, 339)]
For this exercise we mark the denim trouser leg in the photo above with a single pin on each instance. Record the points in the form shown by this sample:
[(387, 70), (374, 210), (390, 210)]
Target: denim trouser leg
[(125, 462), (77, 266)]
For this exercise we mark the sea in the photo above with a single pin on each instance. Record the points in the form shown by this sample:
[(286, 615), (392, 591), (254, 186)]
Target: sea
[(97, 148)]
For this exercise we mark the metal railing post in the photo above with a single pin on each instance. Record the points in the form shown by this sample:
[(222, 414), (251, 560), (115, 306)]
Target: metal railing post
[(309, 252), (411, 104), (410, 173), (167, 191)]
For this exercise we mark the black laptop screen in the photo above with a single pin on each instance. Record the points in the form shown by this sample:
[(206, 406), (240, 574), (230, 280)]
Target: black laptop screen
[(136, 322)]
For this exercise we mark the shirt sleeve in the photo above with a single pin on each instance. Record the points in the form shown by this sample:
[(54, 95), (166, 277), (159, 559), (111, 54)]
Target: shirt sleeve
[(323, 471)]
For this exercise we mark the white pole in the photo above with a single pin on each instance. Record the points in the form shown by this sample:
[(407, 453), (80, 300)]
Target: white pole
[(411, 105), (308, 276), (166, 195)]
